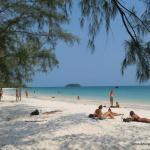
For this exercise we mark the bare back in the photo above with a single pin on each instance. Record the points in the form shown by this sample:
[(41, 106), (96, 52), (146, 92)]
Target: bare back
[(98, 113)]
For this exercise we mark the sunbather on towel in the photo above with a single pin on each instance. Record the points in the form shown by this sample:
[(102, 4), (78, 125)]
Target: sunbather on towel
[(137, 118), (100, 115)]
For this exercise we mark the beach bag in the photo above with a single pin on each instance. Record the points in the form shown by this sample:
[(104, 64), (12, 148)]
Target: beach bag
[(35, 112), (91, 116)]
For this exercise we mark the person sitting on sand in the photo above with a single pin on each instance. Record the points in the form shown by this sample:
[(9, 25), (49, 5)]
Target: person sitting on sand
[(78, 97), (99, 114), (117, 105), (137, 118)]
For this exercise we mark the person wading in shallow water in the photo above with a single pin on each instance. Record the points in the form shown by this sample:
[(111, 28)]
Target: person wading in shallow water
[(17, 94), (1, 93), (111, 96), (26, 93)]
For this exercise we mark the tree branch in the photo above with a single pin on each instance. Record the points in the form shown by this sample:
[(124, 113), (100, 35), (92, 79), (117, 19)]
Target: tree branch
[(130, 25), (124, 21), (31, 33), (133, 15)]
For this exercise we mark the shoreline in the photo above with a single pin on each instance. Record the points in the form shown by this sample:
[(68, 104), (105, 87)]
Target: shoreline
[(137, 99), (68, 99)]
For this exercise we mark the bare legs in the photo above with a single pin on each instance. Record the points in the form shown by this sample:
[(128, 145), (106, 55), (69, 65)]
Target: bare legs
[(146, 120), (108, 114), (115, 114)]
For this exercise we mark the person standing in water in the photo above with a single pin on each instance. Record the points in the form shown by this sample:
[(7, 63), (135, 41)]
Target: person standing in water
[(1, 93), (17, 94), (26, 93), (111, 96)]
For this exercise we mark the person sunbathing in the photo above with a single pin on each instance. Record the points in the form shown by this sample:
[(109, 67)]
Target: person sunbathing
[(117, 105), (37, 112), (113, 113), (100, 115), (137, 118)]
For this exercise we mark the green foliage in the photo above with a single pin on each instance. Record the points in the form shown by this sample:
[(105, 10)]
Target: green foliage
[(29, 32), (99, 12), (138, 53)]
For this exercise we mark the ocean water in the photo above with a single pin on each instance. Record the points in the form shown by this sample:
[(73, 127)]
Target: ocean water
[(140, 94)]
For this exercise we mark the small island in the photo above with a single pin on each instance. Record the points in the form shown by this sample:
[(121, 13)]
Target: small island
[(116, 87), (73, 85)]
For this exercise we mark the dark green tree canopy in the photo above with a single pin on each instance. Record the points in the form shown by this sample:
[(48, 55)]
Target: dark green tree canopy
[(29, 32)]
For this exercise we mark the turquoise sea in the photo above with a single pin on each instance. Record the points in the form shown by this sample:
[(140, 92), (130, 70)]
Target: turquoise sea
[(123, 93)]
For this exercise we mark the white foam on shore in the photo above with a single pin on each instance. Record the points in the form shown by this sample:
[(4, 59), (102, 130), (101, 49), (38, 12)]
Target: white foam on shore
[(69, 129)]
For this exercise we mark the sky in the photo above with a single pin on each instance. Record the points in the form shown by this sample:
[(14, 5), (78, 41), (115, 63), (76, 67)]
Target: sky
[(78, 65)]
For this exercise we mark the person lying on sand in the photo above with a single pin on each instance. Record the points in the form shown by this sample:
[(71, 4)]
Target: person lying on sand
[(137, 118), (37, 112), (99, 114)]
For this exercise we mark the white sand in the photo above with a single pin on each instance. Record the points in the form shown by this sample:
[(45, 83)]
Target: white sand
[(70, 129)]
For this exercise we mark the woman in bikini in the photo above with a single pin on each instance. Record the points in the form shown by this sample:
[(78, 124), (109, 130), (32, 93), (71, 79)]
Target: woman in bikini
[(100, 115), (137, 118)]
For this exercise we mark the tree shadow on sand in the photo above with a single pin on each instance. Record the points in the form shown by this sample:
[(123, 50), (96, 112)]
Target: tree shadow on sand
[(16, 132), (93, 142)]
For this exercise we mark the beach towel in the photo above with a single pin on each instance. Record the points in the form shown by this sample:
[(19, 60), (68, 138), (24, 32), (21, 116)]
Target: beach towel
[(93, 117), (126, 119)]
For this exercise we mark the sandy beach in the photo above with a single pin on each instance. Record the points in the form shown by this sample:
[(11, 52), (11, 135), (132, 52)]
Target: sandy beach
[(69, 128)]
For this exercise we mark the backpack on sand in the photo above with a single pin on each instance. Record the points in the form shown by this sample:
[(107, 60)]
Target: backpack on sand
[(35, 112)]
